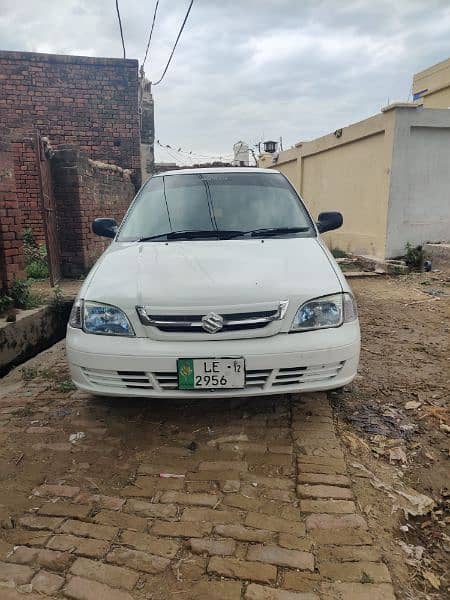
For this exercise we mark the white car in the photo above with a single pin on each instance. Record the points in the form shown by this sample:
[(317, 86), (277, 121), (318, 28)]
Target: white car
[(217, 283)]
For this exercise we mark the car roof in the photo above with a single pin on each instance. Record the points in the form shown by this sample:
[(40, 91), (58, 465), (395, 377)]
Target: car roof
[(216, 170)]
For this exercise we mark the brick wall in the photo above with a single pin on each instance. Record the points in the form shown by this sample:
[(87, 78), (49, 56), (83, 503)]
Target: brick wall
[(88, 102), (11, 246), (85, 189)]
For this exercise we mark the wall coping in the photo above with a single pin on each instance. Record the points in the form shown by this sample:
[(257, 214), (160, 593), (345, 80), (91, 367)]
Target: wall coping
[(67, 59)]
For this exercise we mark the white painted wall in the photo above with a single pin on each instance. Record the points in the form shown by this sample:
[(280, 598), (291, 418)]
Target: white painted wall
[(419, 199)]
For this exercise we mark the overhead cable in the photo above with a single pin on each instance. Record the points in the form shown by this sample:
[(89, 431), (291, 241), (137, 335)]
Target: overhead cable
[(150, 35), (176, 42), (121, 30)]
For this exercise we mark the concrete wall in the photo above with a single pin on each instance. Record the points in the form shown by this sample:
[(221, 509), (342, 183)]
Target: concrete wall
[(431, 87), (348, 171), (419, 200)]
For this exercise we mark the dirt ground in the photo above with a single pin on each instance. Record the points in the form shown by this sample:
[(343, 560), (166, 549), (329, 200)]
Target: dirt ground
[(400, 399), (388, 431)]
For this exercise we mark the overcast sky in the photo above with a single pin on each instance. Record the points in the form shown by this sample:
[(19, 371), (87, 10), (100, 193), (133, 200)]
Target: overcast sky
[(249, 69)]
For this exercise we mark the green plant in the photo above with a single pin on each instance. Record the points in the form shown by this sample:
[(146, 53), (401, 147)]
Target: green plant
[(22, 296), (57, 304), (6, 302), (29, 373), (66, 386), (36, 263), (338, 253), (414, 257)]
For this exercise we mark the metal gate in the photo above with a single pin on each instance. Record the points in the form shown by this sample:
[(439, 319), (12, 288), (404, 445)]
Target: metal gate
[(48, 209)]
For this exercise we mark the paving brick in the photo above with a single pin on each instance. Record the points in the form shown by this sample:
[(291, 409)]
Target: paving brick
[(242, 502), (190, 499), (47, 583), (296, 559), (323, 521), (325, 461), (357, 591), (149, 543), (39, 523), (173, 451), (216, 590), (302, 581), (121, 520), (260, 592), (209, 515), (98, 500), (84, 589), (146, 487), (270, 482), (65, 491), (117, 577), (274, 524), (351, 536), (212, 546), (54, 559), (11, 594), (328, 506), (230, 486), (79, 528), (293, 542), (281, 448), (150, 509), (88, 547), (324, 478), (324, 491), (191, 568), (183, 529), (349, 553), (269, 458), (223, 465), (19, 574), (175, 466), (22, 555), (244, 534), (242, 569), (354, 571), (63, 509), (213, 476), (305, 467), (140, 561), (30, 538), (281, 495)]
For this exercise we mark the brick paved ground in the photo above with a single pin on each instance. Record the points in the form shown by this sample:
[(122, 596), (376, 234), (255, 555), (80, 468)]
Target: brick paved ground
[(260, 504)]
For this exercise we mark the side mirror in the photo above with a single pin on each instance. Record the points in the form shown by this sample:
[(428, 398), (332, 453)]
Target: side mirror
[(105, 227), (329, 220)]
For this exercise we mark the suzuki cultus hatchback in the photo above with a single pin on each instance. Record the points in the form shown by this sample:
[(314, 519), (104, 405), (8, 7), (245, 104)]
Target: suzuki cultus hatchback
[(217, 283)]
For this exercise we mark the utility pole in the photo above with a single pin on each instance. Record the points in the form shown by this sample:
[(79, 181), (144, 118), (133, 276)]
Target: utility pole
[(147, 122)]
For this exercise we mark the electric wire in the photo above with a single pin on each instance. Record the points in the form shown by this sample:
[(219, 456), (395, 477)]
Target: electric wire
[(121, 30), (176, 42), (151, 33)]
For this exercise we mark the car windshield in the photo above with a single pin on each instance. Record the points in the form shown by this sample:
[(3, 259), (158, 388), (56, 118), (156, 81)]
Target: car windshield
[(214, 205)]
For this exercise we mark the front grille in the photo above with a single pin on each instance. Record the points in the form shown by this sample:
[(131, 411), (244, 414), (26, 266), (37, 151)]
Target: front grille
[(255, 379), (219, 322)]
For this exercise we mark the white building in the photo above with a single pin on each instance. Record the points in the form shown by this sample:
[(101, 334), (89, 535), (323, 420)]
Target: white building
[(241, 154)]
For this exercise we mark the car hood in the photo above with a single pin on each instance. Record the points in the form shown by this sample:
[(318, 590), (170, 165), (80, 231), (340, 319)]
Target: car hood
[(213, 273)]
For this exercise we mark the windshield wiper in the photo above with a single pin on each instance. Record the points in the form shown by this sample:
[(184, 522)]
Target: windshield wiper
[(272, 231), (191, 234)]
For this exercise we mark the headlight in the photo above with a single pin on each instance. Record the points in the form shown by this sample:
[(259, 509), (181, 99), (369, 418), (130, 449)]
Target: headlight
[(98, 318), (321, 313)]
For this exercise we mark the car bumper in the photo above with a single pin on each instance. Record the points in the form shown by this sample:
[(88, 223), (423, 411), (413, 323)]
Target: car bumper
[(285, 363)]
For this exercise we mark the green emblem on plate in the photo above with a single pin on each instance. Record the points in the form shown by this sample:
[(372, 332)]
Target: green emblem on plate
[(185, 373)]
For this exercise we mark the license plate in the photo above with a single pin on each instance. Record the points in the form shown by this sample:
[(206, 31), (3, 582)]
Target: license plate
[(210, 373)]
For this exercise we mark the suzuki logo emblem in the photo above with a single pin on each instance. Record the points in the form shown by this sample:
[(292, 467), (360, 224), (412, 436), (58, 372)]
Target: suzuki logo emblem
[(212, 323)]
